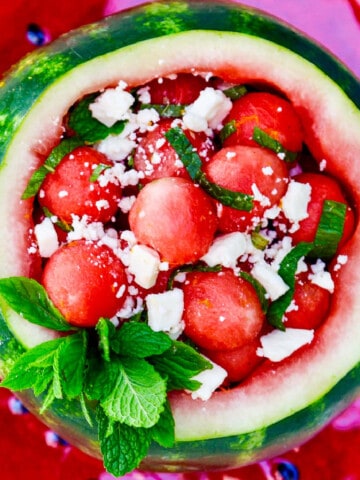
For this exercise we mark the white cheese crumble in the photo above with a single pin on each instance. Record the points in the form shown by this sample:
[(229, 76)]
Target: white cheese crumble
[(278, 344), (210, 380), (295, 201), (272, 282), (226, 249), (165, 312), (112, 105), (321, 277), (208, 110), (46, 238), (144, 263)]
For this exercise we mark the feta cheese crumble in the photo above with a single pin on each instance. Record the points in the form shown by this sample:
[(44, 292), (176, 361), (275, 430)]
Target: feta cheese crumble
[(46, 238), (278, 344), (208, 110), (165, 312), (210, 380), (112, 105), (295, 201), (226, 249), (144, 263)]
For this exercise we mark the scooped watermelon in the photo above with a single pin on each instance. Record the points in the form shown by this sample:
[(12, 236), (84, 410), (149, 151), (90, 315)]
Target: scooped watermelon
[(135, 380)]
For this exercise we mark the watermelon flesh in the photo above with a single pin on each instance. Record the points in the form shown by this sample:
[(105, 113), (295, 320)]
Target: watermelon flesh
[(280, 405)]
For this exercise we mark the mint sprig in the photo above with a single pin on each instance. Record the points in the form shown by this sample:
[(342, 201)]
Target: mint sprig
[(125, 371), (192, 162)]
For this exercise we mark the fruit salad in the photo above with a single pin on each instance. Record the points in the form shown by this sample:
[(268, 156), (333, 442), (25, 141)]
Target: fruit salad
[(185, 240)]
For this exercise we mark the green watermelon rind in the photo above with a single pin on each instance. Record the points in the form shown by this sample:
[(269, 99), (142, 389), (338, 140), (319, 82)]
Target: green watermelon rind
[(27, 85)]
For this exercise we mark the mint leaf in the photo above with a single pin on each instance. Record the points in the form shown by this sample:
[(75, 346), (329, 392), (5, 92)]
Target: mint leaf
[(34, 368), (71, 363), (166, 111), (192, 162), (287, 270), (106, 331), (228, 129), (86, 126), (191, 268), (179, 365), (330, 229), (98, 171), (138, 394), (235, 92), (52, 161), (265, 140), (122, 447), (29, 299), (136, 339), (260, 290), (163, 432)]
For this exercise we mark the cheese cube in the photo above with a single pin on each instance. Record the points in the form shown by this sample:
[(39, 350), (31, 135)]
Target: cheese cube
[(278, 344), (210, 381), (144, 264), (165, 312), (46, 238)]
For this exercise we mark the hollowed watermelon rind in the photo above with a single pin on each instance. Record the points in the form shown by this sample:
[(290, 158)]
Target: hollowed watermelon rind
[(184, 24)]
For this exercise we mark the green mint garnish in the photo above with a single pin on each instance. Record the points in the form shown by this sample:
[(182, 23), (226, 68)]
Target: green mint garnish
[(287, 271), (330, 229), (98, 171), (259, 241), (192, 162), (86, 126), (56, 155), (260, 290), (167, 110), (191, 268), (265, 140), (228, 129), (29, 299), (126, 372), (235, 92)]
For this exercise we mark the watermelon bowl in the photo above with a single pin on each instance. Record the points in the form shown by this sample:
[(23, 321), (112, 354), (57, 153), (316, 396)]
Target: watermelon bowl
[(281, 404)]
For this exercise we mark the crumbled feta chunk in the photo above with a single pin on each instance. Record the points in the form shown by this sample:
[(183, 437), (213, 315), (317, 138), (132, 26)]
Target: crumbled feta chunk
[(46, 238), (295, 201), (116, 147), (226, 249), (210, 380), (112, 105), (278, 344), (272, 282), (321, 277), (165, 311), (144, 263), (208, 110)]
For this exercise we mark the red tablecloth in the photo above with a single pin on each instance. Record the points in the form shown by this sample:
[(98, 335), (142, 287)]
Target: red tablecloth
[(28, 450)]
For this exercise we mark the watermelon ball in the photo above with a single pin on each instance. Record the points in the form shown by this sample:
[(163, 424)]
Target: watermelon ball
[(251, 170), (174, 217), (85, 281), (272, 114), (221, 310), (182, 89), (74, 188)]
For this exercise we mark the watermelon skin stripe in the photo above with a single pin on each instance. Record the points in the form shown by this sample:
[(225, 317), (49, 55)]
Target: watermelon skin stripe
[(223, 452), (40, 69), (26, 85)]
